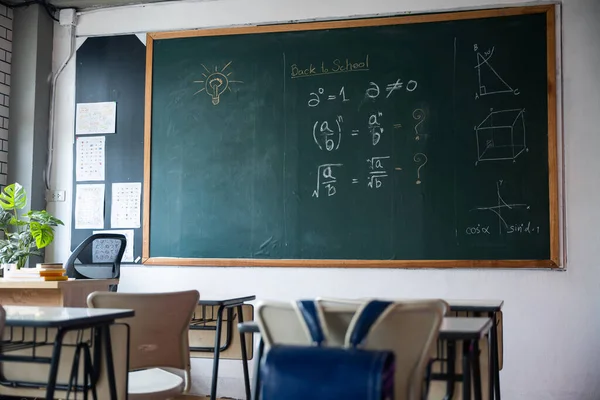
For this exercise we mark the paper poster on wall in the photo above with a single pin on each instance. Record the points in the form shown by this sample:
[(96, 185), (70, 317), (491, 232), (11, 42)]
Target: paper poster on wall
[(95, 118), (89, 154), (107, 247), (126, 205), (89, 206)]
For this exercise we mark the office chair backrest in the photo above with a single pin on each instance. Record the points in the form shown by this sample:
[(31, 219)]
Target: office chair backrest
[(97, 257), (159, 329)]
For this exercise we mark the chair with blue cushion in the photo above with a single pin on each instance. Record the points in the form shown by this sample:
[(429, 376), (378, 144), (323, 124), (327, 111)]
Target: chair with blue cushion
[(408, 328)]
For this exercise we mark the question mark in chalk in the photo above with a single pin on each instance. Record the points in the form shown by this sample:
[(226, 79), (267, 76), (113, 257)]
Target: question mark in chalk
[(418, 115), (420, 157)]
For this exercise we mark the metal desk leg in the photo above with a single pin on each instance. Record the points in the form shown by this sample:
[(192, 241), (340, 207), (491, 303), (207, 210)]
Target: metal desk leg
[(110, 367), (244, 354), (495, 367), (466, 371), (215, 374), (257, 360), (54, 364), (451, 356), (474, 353)]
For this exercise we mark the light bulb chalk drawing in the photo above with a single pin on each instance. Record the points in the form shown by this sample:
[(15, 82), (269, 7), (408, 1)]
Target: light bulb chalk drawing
[(216, 82), (420, 158)]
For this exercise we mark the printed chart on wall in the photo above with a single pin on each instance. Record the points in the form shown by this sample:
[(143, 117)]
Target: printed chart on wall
[(90, 158), (89, 206), (418, 141), (125, 205), (96, 118)]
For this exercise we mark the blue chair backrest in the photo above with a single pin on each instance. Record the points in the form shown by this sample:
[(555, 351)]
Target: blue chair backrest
[(318, 373)]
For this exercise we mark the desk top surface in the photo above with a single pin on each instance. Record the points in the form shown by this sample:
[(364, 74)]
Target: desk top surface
[(48, 317), (223, 299), (464, 328), (453, 328), (475, 305), (471, 305), (33, 284)]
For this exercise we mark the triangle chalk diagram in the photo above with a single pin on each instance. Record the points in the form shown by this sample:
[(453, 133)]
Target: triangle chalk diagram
[(490, 82)]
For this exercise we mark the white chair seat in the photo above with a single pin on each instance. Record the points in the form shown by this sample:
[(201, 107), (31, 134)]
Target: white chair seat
[(154, 383)]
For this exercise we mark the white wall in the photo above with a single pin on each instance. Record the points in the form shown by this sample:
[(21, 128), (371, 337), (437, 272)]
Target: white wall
[(552, 319)]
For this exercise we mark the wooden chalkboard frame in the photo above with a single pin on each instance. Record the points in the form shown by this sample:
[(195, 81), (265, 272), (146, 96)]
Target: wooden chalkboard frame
[(553, 262)]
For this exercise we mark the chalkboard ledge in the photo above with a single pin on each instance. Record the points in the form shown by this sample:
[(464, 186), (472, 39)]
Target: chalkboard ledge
[(251, 262)]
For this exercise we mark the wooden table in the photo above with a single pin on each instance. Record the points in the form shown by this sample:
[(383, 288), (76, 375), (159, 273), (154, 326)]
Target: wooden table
[(71, 293)]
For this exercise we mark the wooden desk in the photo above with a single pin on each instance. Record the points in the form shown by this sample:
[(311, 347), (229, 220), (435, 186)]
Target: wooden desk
[(71, 293)]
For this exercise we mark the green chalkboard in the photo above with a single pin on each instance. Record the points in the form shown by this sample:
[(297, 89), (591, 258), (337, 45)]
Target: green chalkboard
[(409, 141)]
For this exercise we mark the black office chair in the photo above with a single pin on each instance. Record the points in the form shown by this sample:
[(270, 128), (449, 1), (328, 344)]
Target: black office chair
[(97, 257)]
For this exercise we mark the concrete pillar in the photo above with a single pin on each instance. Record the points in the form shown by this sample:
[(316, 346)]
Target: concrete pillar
[(30, 100), (30, 103)]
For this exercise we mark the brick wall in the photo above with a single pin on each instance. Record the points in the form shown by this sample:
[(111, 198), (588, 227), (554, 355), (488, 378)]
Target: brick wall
[(6, 24)]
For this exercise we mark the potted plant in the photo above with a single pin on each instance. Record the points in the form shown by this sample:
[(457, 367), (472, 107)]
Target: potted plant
[(25, 234)]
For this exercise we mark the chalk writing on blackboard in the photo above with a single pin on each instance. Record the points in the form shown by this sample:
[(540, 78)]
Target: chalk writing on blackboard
[(501, 136), (322, 133), (327, 179), (478, 230), (490, 81), (373, 90), (336, 66), (420, 159), (216, 82), (411, 86), (315, 97), (419, 116), (503, 206), (375, 128), (377, 171)]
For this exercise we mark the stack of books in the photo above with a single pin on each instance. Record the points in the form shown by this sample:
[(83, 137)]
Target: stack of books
[(42, 272)]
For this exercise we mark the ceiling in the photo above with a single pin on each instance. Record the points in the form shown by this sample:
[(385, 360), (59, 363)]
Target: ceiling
[(86, 4)]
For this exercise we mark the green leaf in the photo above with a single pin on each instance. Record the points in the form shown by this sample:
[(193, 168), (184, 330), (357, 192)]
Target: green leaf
[(44, 217), (13, 197), (17, 222), (5, 218), (43, 234)]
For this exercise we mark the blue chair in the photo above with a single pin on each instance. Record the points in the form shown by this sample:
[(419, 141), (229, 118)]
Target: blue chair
[(320, 372)]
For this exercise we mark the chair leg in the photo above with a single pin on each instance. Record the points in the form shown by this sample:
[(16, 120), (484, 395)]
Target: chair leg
[(244, 354), (215, 374), (257, 360)]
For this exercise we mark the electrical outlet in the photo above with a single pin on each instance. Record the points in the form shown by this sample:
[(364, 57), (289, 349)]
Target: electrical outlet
[(55, 195)]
